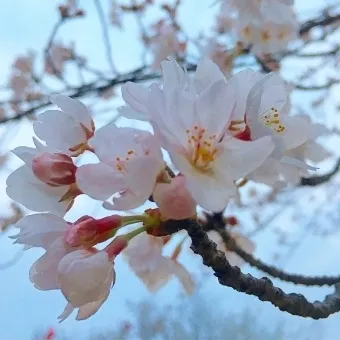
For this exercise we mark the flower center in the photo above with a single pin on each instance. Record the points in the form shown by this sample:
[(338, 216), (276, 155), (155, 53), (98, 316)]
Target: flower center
[(130, 154), (271, 119), (202, 148)]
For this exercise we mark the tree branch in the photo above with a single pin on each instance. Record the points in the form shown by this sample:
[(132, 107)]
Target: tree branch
[(271, 270), (317, 180), (263, 289)]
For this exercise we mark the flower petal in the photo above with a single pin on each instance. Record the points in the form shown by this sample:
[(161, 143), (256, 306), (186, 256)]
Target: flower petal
[(74, 108), (215, 105), (207, 72), (40, 230), (136, 95), (99, 181), (25, 188), (240, 158)]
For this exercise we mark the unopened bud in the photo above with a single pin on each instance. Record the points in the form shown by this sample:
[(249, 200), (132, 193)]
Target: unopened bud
[(174, 200), (88, 231), (54, 169)]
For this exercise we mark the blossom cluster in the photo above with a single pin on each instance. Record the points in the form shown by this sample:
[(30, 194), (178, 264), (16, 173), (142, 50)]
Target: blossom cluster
[(215, 131), (267, 25)]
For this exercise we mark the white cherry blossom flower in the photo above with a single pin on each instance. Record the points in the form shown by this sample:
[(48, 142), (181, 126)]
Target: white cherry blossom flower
[(267, 37), (29, 190), (278, 11), (190, 118), (165, 42), (131, 161), (67, 130), (58, 55), (144, 256), (193, 131), (85, 277)]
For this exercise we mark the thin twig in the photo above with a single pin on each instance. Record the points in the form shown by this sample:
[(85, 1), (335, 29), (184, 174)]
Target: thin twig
[(106, 37)]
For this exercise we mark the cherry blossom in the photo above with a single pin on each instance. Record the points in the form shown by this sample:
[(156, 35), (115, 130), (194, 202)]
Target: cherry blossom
[(82, 273), (267, 113), (24, 63), (267, 37), (165, 43), (57, 56), (257, 11), (131, 161), (199, 147), (67, 130), (85, 278), (20, 84), (144, 256), (52, 191), (218, 54)]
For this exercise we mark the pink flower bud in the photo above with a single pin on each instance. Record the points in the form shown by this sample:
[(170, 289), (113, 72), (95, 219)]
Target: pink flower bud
[(54, 169), (174, 200), (88, 231)]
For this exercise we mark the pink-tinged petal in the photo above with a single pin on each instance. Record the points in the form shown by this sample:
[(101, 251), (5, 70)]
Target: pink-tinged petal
[(269, 92), (215, 105), (128, 112), (210, 191), (206, 73), (242, 82), (90, 309), (100, 181), (66, 313), (126, 201), (170, 127), (173, 74), (142, 174), (74, 108), (136, 95), (240, 158), (282, 13), (268, 173), (295, 133), (26, 189), (297, 163), (111, 142), (292, 174), (40, 230), (43, 273), (25, 153), (174, 200), (59, 130), (184, 277), (316, 152), (85, 276)]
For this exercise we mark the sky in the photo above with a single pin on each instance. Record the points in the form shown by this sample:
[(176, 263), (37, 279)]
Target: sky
[(26, 25)]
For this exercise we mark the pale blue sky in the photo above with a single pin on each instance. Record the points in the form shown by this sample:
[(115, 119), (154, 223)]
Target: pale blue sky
[(26, 25)]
